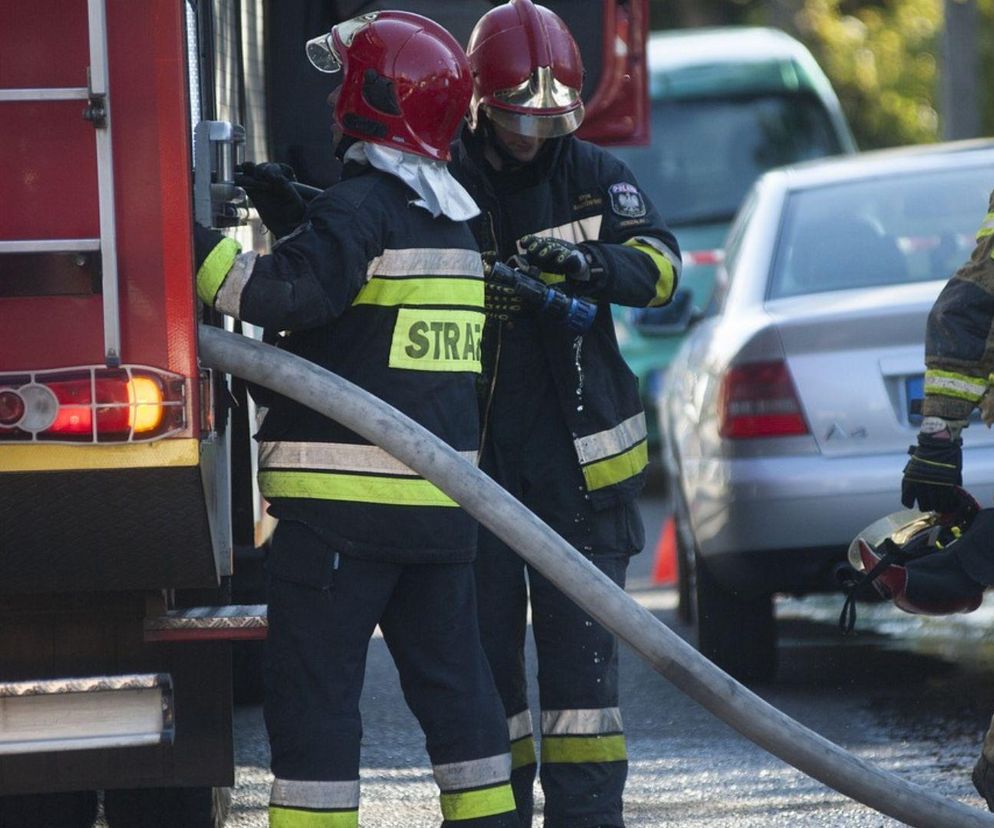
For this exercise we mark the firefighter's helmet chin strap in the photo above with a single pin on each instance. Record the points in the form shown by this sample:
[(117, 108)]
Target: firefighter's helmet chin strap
[(343, 145), (857, 588)]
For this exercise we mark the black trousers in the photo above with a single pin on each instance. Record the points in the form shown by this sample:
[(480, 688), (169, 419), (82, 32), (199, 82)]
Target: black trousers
[(323, 608), (583, 757)]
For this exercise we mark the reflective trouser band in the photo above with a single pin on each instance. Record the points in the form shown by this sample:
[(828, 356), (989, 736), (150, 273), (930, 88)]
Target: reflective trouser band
[(665, 266), (519, 729), (215, 268), (615, 469), (477, 804), (596, 721), (283, 817), (576, 749), (358, 488), (987, 228), (951, 384), (308, 803), (426, 290), (523, 752)]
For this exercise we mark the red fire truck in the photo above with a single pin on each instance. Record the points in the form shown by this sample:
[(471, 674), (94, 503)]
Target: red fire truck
[(126, 484)]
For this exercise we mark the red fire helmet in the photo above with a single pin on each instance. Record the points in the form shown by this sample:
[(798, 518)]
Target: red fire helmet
[(407, 81), (527, 71)]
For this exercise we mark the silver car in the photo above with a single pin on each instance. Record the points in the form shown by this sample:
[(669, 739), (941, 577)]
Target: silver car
[(785, 416)]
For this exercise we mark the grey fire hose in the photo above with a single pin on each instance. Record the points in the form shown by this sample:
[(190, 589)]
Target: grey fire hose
[(586, 585)]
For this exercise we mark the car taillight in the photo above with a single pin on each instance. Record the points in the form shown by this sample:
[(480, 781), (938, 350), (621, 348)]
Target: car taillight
[(92, 405), (759, 400)]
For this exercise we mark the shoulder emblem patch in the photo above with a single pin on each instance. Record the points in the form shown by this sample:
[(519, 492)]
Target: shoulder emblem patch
[(626, 200)]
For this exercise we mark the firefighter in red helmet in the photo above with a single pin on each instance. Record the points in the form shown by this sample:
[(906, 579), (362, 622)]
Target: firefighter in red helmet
[(564, 429), (362, 540)]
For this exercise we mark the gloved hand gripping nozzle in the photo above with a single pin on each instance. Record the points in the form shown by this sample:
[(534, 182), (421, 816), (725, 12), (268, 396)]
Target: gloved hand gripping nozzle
[(574, 313)]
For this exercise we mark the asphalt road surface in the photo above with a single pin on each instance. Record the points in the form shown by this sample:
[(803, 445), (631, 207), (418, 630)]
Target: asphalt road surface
[(910, 694)]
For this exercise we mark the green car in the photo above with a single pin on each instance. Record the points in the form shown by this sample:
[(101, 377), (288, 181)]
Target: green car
[(727, 104)]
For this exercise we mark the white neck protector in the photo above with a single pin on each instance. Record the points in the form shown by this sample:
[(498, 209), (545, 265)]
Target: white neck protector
[(440, 192)]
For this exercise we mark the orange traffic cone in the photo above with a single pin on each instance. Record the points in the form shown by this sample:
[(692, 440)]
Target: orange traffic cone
[(664, 568)]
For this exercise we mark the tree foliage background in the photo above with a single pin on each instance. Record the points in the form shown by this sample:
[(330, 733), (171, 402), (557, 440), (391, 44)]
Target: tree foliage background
[(882, 56)]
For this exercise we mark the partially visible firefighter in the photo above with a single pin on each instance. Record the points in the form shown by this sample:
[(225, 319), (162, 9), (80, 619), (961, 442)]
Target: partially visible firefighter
[(959, 361), (382, 284), (563, 426)]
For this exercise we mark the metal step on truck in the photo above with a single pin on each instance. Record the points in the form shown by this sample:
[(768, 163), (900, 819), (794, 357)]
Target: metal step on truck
[(131, 531)]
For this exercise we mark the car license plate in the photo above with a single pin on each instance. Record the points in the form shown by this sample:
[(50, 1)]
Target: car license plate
[(915, 390)]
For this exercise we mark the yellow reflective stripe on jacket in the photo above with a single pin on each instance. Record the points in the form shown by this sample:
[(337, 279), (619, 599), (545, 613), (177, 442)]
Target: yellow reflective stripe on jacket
[(615, 469), (666, 266), (422, 290), (611, 441), (478, 804), (951, 384), (358, 488), (214, 269), (577, 749), (431, 339), (987, 228), (281, 817), (614, 454)]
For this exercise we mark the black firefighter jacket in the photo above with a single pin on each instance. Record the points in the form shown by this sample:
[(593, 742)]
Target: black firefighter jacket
[(377, 291), (959, 338), (580, 193)]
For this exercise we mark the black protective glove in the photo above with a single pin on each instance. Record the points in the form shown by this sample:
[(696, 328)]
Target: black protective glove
[(205, 240), (933, 474), (499, 301), (556, 256), (269, 187)]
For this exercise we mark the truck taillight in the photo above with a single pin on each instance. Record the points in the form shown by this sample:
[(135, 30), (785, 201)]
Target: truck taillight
[(759, 400), (92, 405)]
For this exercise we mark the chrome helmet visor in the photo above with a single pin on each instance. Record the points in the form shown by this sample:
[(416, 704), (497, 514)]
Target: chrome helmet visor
[(321, 50), (536, 126), (539, 107)]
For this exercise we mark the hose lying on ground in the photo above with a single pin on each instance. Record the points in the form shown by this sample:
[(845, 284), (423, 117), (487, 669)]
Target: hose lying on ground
[(586, 585)]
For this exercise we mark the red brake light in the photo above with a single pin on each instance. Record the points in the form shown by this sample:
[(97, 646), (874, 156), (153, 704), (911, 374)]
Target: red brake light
[(759, 400), (92, 405)]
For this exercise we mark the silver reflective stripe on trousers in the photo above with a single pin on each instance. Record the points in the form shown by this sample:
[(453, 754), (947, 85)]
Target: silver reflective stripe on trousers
[(581, 722), (290, 793), (519, 725), (475, 773)]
